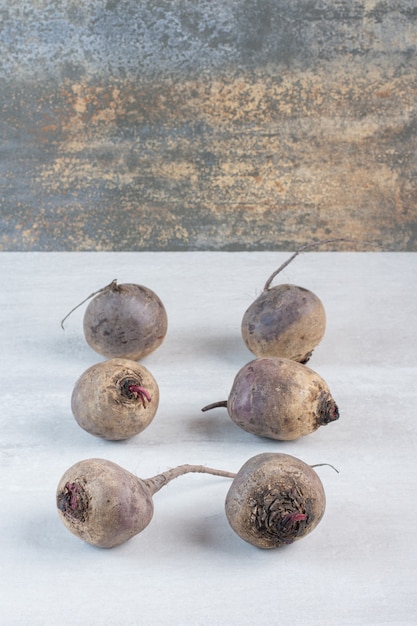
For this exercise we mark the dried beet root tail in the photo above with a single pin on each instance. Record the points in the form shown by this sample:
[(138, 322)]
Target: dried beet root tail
[(113, 286), (327, 409), (215, 405)]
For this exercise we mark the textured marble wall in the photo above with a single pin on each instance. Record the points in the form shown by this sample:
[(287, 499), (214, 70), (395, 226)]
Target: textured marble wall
[(212, 124)]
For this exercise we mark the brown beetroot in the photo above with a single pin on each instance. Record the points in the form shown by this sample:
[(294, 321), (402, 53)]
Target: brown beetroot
[(105, 505), (115, 399), (274, 500), (125, 320), (285, 321), (279, 398)]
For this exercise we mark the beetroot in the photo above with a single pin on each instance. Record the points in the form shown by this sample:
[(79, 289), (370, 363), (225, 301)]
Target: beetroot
[(279, 398), (105, 505), (115, 399), (127, 321), (274, 500), (286, 320)]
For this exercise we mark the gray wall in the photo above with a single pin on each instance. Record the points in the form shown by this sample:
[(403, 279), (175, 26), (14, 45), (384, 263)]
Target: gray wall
[(219, 124)]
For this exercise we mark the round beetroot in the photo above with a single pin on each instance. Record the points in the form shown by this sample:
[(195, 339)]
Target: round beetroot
[(286, 321), (274, 500), (126, 320), (115, 399)]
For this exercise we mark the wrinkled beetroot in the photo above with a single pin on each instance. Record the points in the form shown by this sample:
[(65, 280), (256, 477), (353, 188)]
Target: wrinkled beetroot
[(274, 500)]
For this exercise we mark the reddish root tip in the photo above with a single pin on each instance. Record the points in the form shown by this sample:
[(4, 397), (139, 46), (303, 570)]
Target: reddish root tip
[(137, 391), (291, 518)]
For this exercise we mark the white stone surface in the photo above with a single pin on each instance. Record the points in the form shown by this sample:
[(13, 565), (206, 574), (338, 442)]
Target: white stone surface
[(359, 567)]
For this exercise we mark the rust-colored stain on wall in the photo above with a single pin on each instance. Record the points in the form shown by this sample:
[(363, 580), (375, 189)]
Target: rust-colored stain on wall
[(138, 125)]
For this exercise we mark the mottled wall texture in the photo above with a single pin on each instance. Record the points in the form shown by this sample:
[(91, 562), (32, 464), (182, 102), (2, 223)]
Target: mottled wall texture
[(207, 125)]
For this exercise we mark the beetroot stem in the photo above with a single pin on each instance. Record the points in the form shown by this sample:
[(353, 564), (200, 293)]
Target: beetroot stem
[(112, 285), (215, 405), (323, 464), (157, 482), (303, 249)]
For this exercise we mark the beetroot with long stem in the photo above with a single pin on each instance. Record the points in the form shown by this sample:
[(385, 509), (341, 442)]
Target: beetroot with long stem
[(105, 505), (286, 320)]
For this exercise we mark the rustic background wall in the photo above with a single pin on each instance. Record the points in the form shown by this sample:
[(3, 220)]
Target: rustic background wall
[(211, 124)]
